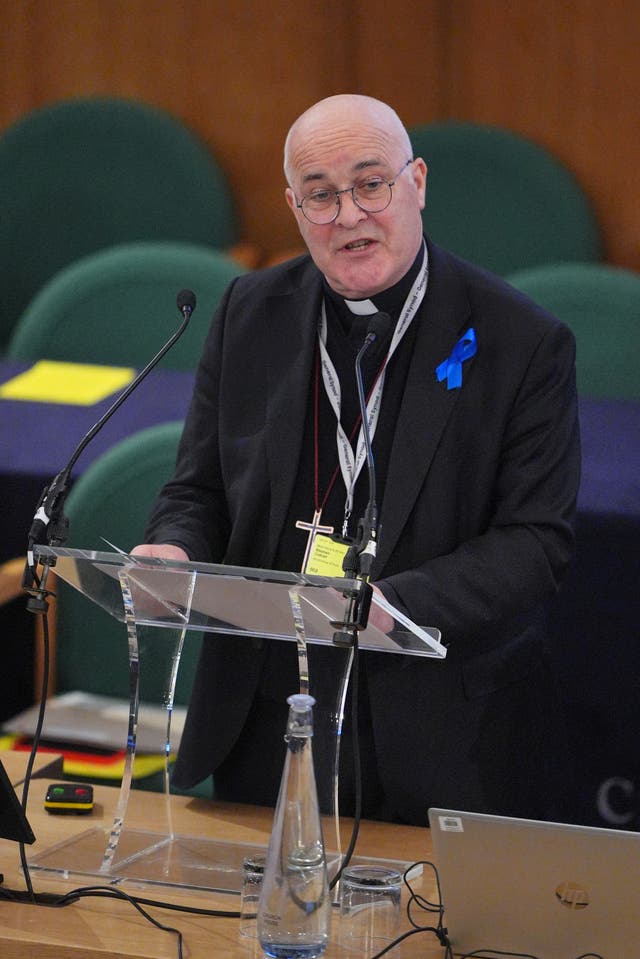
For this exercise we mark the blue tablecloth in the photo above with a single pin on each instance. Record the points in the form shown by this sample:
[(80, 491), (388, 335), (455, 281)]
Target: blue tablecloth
[(37, 440), (596, 622), (610, 459)]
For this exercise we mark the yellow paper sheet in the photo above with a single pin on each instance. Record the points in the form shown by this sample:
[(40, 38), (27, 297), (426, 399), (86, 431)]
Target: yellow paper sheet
[(78, 384)]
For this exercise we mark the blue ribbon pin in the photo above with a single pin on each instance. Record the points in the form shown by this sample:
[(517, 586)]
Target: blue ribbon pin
[(465, 348)]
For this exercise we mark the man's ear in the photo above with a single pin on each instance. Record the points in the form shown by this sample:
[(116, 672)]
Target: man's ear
[(419, 172), (291, 199)]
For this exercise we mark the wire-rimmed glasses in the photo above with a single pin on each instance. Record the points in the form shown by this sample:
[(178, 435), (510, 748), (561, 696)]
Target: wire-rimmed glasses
[(373, 195)]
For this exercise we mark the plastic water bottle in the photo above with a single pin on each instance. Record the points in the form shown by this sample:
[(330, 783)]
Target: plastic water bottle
[(294, 912)]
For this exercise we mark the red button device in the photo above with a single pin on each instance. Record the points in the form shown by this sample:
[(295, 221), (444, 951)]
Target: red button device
[(69, 799)]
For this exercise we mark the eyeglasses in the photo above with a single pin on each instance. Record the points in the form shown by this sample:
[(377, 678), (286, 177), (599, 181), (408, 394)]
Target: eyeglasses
[(372, 195)]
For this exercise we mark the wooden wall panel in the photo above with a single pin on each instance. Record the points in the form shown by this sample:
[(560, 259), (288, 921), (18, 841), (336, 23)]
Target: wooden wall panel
[(567, 74), (564, 72), (398, 52), (238, 74)]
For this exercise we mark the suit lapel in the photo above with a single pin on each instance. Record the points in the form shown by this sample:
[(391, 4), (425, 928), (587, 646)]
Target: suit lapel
[(426, 404), (291, 320)]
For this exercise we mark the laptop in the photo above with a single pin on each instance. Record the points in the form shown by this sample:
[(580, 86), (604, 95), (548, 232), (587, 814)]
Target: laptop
[(548, 890)]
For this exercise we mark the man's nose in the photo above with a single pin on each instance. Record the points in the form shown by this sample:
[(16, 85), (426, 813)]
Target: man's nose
[(349, 213)]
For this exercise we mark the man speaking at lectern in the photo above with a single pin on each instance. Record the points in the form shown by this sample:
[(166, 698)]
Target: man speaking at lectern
[(477, 461)]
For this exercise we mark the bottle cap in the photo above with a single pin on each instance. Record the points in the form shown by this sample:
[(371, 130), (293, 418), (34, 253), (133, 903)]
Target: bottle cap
[(301, 702)]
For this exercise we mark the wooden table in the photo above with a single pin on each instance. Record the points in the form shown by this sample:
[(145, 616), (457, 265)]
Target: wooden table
[(46, 765), (107, 928)]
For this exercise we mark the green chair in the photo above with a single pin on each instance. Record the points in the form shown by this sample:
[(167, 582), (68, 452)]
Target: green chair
[(112, 499), (80, 175), (500, 200), (118, 306), (601, 304)]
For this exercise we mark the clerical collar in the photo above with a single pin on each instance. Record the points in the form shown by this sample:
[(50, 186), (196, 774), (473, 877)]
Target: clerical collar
[(388, 301)]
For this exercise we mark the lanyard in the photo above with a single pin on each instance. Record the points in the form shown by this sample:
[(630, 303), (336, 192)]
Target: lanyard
[(351, 463)]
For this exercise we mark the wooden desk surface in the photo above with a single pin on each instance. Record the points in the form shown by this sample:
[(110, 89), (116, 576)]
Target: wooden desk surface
[(107, 928), (47, 765)]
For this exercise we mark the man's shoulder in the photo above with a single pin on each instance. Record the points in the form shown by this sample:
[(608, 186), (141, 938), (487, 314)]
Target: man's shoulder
[(489, 297), (279, 279)]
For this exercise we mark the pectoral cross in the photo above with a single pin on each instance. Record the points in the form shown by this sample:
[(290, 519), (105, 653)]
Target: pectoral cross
[(313, 528)]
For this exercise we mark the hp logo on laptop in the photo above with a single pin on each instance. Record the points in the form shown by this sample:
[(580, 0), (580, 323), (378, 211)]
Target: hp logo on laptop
[(572, 895)]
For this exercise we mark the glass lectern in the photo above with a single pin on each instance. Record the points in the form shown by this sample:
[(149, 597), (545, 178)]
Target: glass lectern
[(154, 595)]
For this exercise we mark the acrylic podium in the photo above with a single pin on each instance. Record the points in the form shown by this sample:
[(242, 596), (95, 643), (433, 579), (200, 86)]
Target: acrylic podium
[(164, 600)]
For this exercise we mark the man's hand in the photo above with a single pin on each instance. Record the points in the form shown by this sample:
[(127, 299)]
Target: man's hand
[(161, 551), (380, 618)]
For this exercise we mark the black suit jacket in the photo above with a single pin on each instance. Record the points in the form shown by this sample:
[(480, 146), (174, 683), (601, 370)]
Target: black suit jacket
[(476, 524)]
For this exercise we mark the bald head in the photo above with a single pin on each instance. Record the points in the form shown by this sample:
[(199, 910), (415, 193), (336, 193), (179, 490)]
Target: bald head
[(343, 116)]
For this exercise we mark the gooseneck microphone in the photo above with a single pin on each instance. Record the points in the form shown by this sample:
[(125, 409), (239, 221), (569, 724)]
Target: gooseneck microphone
[(363, 552), (186, 303), (359, 558), (49, 524), (379, 325)]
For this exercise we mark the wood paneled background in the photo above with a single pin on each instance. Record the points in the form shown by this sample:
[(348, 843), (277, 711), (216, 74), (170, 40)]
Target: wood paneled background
[(564, 72)]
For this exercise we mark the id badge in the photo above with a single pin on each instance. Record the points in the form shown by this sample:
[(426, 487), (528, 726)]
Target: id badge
[(327, 554)]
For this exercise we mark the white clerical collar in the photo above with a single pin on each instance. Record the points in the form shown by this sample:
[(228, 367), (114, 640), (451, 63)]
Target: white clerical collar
[(361, 307)]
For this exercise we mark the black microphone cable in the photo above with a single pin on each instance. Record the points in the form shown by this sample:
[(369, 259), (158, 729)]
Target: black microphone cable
[(357, 769)]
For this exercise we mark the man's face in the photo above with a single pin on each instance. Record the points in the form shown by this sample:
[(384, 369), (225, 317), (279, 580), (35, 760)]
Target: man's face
[(359, 253)]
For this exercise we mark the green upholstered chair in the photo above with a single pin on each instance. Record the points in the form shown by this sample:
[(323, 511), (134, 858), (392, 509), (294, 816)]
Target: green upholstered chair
[(112, 499), (118, 306), (500, 200), (83, 174), (601, 304)]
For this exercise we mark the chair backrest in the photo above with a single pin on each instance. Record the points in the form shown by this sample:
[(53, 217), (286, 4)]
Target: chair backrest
[(118, 306), (500, 200), (80, 175), (601, 304), (113, 499)]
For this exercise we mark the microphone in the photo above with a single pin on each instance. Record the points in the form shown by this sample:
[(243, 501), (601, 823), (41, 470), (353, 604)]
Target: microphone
[(378, 326), (359, 558), (50, 525), (186, 302)]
